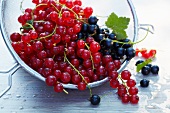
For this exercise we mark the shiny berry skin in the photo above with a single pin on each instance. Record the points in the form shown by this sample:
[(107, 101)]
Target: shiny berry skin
[(77, 2), (154, 69), (76, 79), (95, 99), (51, 80), (15, 37), (134, 99), (146, 70), (37, 46), (56, 38), (117, 64), (88, 11), (80, 44), (65, 77), (58, 87), (94, 47), (125, 98), (49, 63), (62, 1), (92, 20), (125, 75), (121, 90), (57, 73), (152, 52), (26, 37), (114, 83), (144, 83), (113, 74), (133, 90), (81, 86), (131, 83)]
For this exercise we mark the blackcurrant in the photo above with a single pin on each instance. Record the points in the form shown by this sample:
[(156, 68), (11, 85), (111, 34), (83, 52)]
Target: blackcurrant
[(108, 43), (92, 20), (95, 99), (130, 53), (146, 70), (154, 69), (80, 35), (120, 52), (92, 28), (84, 27), (144, 83), (112, 36), (99, 37), (126, 45), (138, 62)]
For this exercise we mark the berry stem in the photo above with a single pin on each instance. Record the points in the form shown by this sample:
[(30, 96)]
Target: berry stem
[(30, 25), (63, 89), (123, 82), (91, 57), (133, 43), (65, 57), (49, 34)]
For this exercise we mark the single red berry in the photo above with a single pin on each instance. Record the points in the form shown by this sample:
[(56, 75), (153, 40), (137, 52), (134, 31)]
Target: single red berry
[(26, 38), (51, 80), (81, 86), (125, 74), (88, 11), (133, 90), (94, 47), (125, 98), (134, 99), (15, 37), (77, 2), (114, 83), (80, 44), (131, 83), (65, 77), (58, 87), (113, 74)]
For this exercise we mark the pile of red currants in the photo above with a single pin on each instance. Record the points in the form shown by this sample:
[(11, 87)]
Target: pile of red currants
[(62, 41)]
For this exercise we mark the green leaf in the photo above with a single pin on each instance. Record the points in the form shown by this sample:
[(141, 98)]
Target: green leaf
[(141, 65), (118, 25)]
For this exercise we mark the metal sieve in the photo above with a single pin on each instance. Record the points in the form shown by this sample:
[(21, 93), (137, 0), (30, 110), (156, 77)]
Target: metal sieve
[(10, 10)]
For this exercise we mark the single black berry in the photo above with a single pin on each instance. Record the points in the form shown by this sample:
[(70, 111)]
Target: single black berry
[(138, 62), (108, 43), (130, 53), (92, 29), (95, 99), (84, 27), (146, 70), (126, 41), (154, 69), (92, 20), (144, 83), (120, 52), (112, 36)]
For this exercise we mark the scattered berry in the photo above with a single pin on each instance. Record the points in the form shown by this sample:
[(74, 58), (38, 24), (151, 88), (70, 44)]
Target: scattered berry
[(154, 69), (95, 99), (146, 70), (144, 83)]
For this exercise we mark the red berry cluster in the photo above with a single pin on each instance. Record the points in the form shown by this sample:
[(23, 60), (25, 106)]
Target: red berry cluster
[(125, 86), (49, 44), (145, 53)]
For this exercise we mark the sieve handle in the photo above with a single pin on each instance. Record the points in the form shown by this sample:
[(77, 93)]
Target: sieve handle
[(11, 72), (147, 27)]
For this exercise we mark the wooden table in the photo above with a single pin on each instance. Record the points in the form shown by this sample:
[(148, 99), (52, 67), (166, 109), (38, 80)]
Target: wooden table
[(30, 95)]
